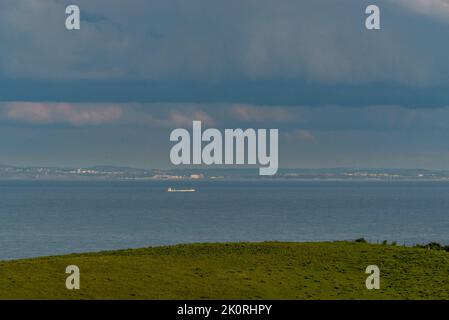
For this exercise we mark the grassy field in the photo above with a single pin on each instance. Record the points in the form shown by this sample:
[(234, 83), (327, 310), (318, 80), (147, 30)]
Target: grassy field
[(235, 271)]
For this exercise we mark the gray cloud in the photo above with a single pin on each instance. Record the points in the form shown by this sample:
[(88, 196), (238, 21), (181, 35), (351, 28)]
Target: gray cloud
[(134, 134), (319, 41), (299, 120), (60, 113), (434, 8)]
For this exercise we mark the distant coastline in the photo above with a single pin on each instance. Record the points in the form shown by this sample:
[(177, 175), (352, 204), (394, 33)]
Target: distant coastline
[(8, 172)]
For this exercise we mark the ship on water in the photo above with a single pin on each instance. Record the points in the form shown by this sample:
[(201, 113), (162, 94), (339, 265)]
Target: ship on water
[(180, 190)]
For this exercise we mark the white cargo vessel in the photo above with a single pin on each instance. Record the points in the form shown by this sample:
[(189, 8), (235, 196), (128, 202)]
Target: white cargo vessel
[(180, 190)]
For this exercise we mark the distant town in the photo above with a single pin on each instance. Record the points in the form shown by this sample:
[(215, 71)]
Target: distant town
[(8, 172)]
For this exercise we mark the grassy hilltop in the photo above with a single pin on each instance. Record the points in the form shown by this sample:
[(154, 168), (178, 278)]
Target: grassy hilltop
[(235, 271)]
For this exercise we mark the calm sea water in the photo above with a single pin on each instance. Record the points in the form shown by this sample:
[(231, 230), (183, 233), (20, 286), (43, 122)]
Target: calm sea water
[(48, 218)]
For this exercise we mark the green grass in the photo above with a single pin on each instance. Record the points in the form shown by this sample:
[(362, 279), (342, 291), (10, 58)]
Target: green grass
[(235, 271)]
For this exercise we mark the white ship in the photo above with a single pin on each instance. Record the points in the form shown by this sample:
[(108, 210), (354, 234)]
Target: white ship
[(180, 190)]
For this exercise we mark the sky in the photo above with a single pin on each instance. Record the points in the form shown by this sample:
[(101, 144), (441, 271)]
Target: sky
[(111, 93)]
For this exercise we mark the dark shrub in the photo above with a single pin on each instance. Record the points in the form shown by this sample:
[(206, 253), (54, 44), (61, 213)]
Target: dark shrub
[(433, 246)]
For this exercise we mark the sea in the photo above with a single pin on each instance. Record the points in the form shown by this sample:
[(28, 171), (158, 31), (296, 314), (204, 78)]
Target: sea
[(42, 218)]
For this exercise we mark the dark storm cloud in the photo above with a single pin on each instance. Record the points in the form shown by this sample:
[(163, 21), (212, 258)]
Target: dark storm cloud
[(112, 92), (263, 52)]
